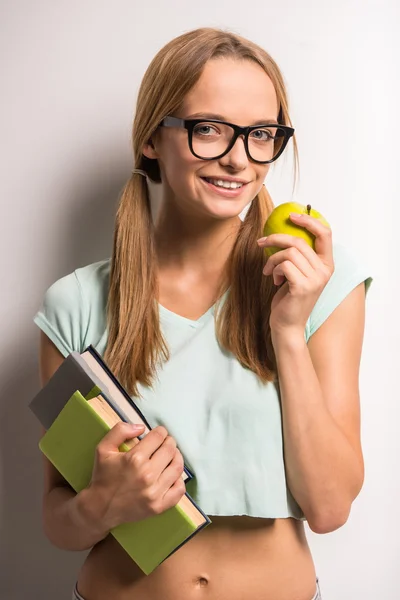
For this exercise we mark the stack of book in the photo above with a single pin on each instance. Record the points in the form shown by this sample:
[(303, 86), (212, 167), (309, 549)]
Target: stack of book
[(79, 404)]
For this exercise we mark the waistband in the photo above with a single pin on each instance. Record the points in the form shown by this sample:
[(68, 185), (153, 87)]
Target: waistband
[(76, 595)]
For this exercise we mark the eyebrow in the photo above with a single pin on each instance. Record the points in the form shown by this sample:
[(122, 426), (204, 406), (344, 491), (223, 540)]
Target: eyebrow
[(206, 115)]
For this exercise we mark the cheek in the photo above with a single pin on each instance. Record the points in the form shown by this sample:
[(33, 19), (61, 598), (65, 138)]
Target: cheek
[(264, 172), (182, 168), (178, 160)]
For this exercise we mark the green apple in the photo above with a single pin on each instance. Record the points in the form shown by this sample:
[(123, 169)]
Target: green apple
[(280, 222)]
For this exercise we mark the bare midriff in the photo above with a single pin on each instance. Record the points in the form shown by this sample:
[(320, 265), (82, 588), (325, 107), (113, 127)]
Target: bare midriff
[(234, 558)]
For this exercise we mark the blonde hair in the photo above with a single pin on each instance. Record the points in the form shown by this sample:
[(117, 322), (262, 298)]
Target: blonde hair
[(135, 345)]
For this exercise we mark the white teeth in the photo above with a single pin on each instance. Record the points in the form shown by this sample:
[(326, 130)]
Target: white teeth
[(225, 184)]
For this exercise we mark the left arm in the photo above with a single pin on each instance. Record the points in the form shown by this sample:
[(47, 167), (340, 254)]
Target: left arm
[(318, 381), (321, 413)]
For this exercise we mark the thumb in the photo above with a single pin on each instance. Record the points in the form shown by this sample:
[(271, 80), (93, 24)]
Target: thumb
[(118, 435)]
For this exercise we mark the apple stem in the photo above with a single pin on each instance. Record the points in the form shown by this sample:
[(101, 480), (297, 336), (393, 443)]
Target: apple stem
[(308, 208)]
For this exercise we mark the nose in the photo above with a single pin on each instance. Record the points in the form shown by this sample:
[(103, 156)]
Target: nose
[(236, 158)]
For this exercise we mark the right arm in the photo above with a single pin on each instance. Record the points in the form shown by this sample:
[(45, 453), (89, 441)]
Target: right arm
[(125, 486)]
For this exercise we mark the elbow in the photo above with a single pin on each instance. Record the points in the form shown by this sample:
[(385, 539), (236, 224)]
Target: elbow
[(332, 517), (328, 522), (49, 529), (49, 532)]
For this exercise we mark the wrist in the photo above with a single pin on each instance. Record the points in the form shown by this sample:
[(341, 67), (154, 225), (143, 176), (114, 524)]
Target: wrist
[(292, 337), (92, 508)]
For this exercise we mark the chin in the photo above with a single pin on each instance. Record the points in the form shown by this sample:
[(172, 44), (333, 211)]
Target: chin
[(220, 205), (225, 209)]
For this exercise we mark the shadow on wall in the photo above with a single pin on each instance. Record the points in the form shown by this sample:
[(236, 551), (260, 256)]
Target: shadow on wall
[(30, 567)]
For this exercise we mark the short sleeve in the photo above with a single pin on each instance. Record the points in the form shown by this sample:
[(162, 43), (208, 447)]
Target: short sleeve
[(349, 272), (62, 314)]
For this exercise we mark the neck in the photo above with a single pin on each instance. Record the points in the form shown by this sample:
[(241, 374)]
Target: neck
[(197, 244)]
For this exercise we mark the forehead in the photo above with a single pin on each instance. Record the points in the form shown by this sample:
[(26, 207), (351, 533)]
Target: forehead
[(239, 90)]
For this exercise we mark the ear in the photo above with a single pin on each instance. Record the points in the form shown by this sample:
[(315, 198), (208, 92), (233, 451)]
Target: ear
[(149, 150)]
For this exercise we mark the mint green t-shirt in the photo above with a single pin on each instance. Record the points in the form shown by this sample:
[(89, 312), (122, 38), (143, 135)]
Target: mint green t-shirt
[(227, 424)]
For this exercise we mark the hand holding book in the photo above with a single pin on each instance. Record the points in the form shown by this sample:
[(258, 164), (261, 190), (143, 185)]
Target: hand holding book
[(137, 484)]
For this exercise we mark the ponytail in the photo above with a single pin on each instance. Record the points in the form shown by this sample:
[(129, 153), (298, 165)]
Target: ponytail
[(243, 319), (135, 344)]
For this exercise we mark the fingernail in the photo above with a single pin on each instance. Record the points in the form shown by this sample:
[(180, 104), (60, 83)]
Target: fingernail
[(262, 239), (295, 215)]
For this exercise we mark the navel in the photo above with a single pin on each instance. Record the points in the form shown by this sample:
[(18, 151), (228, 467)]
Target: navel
[(201, 581)]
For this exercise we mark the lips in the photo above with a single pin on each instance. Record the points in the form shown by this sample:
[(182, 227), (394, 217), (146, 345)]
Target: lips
[(222, 191)]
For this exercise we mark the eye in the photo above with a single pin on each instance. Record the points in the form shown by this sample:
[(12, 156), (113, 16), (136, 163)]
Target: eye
[(263, 135), (205, 130)]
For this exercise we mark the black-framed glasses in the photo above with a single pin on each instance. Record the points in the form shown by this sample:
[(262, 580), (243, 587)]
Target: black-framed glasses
[(210, 139)]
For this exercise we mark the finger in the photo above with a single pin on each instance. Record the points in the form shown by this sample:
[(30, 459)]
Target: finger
[(292, 254), (171, 472), (277, 276), (284, 241), (151, 442), (288, 271), (118, 434), (174, 494), (163, 455), (322, 233)]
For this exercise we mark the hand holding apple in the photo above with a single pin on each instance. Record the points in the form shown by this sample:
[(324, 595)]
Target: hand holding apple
[(298, 243), (279, 222)]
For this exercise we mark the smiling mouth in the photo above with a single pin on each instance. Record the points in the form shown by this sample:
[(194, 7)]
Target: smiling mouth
[(223, 191), (224, 184)]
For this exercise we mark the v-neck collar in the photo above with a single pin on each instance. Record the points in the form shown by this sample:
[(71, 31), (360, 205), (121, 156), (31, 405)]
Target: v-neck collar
[(179, 319), (171, 316)]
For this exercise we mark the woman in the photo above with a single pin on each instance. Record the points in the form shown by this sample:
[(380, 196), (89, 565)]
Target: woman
[(249, 366)]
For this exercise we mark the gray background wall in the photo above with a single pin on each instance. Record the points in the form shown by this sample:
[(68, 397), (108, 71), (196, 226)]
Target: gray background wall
[(70, 72)]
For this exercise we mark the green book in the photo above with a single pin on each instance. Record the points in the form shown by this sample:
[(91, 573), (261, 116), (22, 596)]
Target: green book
[(70, 444)]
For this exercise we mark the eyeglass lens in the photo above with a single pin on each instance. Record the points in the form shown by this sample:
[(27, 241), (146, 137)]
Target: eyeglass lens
[(209, 140)]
